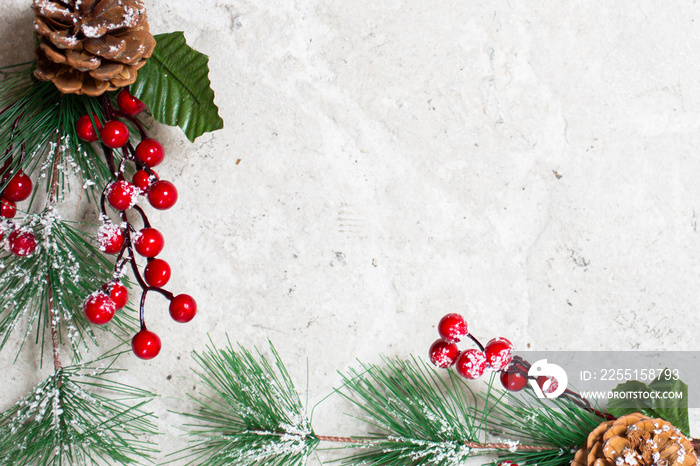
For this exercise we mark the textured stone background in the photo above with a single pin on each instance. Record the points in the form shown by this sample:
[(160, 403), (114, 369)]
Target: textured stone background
[(531, 165)]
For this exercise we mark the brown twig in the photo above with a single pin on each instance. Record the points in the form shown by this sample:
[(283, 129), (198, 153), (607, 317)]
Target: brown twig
[(53, 195), (472, 445)]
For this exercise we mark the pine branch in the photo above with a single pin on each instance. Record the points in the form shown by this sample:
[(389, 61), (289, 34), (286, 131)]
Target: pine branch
[(560, 422), (34, 115), (78, 416), (251, 415), (418, 417), (73, 268)]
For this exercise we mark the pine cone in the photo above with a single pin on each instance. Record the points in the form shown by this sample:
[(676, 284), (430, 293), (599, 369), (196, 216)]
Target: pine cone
[(636, 440), (91, 46)]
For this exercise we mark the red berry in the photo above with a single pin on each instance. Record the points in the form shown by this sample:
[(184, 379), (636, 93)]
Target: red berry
[(183, 308), (18, 188), (443, 354), (471, 364), (156, 273), (143, 180), (110, 238), (162, 195), (452, 328), (122, 195), (129, 104), (22, 242), (145, 344), (114, 134), (507, 463), (85, 128), (513, 380), (7, 208), (498, 353), (149, 242), (547, 384), (150, 152), (118, 293), (99, 308)]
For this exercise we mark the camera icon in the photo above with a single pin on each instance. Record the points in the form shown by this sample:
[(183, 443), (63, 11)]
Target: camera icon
[(547, 380)]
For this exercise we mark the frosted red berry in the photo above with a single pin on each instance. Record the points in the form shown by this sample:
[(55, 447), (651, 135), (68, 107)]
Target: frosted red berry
[(162, 195), (118, 293), (452, 328), (150, 152), (149, 242), (129, 104), (22, 243), (183, 308), (110, 238), (114, 134), (156, 273), (513, 380), (443, 354), (547, 384), (99, 308), (507, 463), (143, 180), (145, 344), (122, 195), (8, 209), (498, 353), (18, 188), (471, 364), (86, 130)]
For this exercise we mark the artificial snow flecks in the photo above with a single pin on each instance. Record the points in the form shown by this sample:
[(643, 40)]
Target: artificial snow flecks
[(417, 450), (109, 236), (51, 284), (75, 417)]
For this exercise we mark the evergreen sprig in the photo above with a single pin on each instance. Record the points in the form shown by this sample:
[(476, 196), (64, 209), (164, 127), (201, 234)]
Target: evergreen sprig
[(78, 416), (53, 282), (557, 422), (251, 414), (416, 416), (37, 131)]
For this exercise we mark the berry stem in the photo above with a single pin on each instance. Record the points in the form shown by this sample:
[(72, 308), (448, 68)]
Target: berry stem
[(135, 121), (146, 223), (477, 342)]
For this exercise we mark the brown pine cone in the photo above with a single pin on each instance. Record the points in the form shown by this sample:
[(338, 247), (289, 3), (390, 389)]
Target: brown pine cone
[(636, 440), (91, 46)]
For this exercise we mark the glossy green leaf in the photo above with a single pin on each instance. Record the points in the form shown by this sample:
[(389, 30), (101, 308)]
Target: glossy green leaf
[(651, 401), (175, 85)]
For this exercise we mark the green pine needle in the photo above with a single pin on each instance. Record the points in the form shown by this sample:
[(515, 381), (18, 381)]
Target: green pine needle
[(418, 417), (559, 422), (65, 268), (78, 416), (252, 414), (37, 119)]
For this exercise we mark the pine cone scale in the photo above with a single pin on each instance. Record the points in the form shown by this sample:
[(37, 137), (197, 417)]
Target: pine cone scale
[(636, 440), (91, 46)]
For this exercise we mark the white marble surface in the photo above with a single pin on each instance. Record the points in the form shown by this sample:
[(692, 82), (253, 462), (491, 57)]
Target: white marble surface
[(532, 165)]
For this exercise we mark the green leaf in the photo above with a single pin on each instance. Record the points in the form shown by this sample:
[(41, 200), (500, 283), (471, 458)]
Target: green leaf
[(175, 85), (672, 409)]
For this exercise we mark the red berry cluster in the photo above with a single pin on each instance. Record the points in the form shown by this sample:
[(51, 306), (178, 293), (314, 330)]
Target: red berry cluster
[(473, 362), (18, 187), (124, 239)]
